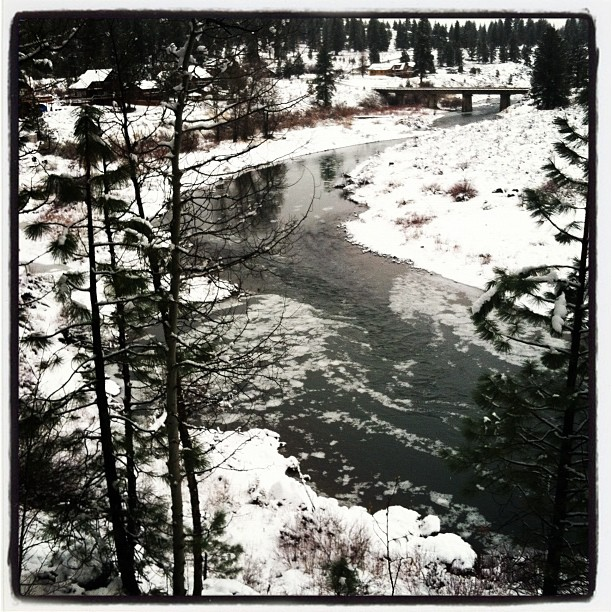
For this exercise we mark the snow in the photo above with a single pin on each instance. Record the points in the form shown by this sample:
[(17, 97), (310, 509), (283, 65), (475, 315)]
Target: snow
[(410, 215), (272, 510), (262, 499), (559, 313), (89, 77)]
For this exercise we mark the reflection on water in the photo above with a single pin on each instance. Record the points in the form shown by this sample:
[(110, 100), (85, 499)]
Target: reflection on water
[(377, 363), (329, 165)]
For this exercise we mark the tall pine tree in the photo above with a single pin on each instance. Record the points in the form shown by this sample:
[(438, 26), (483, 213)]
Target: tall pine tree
[(423, 57), (531, 445), (325, 80), (550, 81)]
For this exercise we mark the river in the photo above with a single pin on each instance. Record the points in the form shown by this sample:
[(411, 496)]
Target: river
[(379, 359)]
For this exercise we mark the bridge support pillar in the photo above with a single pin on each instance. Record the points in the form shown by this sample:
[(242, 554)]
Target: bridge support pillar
[(466, 103), (432, 100), (504, 101)]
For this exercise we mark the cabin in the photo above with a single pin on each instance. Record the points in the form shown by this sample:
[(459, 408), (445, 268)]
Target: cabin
[(145, 93), (398, 69), (199, 76), (93, 86)]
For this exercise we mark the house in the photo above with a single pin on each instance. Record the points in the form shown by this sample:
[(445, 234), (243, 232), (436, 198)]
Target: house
[(399, 69), (199, 76), (91, 87), (144, 93)]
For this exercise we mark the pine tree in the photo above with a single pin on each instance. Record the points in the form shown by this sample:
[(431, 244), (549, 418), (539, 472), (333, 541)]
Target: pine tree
[(531, 445), (513, 49), (423, 57), (325, 80), (356, 35), (337, 34), (575, 36), (93, 155), (550, 83), (526, 55), (482, 46)]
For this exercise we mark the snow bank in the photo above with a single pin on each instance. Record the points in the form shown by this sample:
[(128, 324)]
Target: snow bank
[(265, 496), (411, 216)]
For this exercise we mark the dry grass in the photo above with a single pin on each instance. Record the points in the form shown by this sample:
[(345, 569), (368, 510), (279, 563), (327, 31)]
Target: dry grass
[(433, 188), (462, 191), (413, 220)]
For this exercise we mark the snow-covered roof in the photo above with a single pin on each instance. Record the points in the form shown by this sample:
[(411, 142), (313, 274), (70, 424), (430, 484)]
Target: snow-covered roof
[(199, 72), (388, 66), (146, 85), (91, 76)]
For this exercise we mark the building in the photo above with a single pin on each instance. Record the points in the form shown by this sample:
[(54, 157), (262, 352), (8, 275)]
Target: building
[(399, 69), (93, 86)]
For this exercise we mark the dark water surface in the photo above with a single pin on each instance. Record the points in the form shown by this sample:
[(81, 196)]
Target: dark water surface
[(381, 362)]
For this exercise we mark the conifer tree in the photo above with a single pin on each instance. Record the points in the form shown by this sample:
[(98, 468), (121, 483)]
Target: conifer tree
[(356, 35), (93, 155), (337, 35), (526, 55), (325, 80), (482, 48), (531, 445), (423, 57), (550, 81)]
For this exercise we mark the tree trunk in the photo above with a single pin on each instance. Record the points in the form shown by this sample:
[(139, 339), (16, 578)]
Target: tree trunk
[(172, 331), (194, 497), (125, 558), (552, 567), (126, 376)]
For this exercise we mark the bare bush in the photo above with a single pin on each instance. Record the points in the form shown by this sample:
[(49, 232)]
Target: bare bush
[(190, 141), (372, 101), (413, 220), (252, 573), (314, 540), (462, 191), (433, 188), (450, 102), (66, 149), (550, 187)]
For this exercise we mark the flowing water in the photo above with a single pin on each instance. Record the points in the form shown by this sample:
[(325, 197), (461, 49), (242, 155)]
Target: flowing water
[(380, 358)]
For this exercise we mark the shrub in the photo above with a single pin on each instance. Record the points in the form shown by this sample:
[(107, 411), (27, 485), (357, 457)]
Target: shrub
[(462, 191), (450, 102), (414, 220), (342, 578), (432, 188), (190, 142), (372, 101), (550, 187), (66, 149)]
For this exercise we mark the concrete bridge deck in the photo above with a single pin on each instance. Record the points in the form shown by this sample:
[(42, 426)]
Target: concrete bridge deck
[(401, 94)]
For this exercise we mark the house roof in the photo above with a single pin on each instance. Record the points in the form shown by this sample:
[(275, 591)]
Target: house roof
[(147, 85), (91, 76), (388, 66), (199, 72)]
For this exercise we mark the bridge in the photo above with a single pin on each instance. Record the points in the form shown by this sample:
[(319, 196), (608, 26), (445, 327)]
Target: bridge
[(401, 95)]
